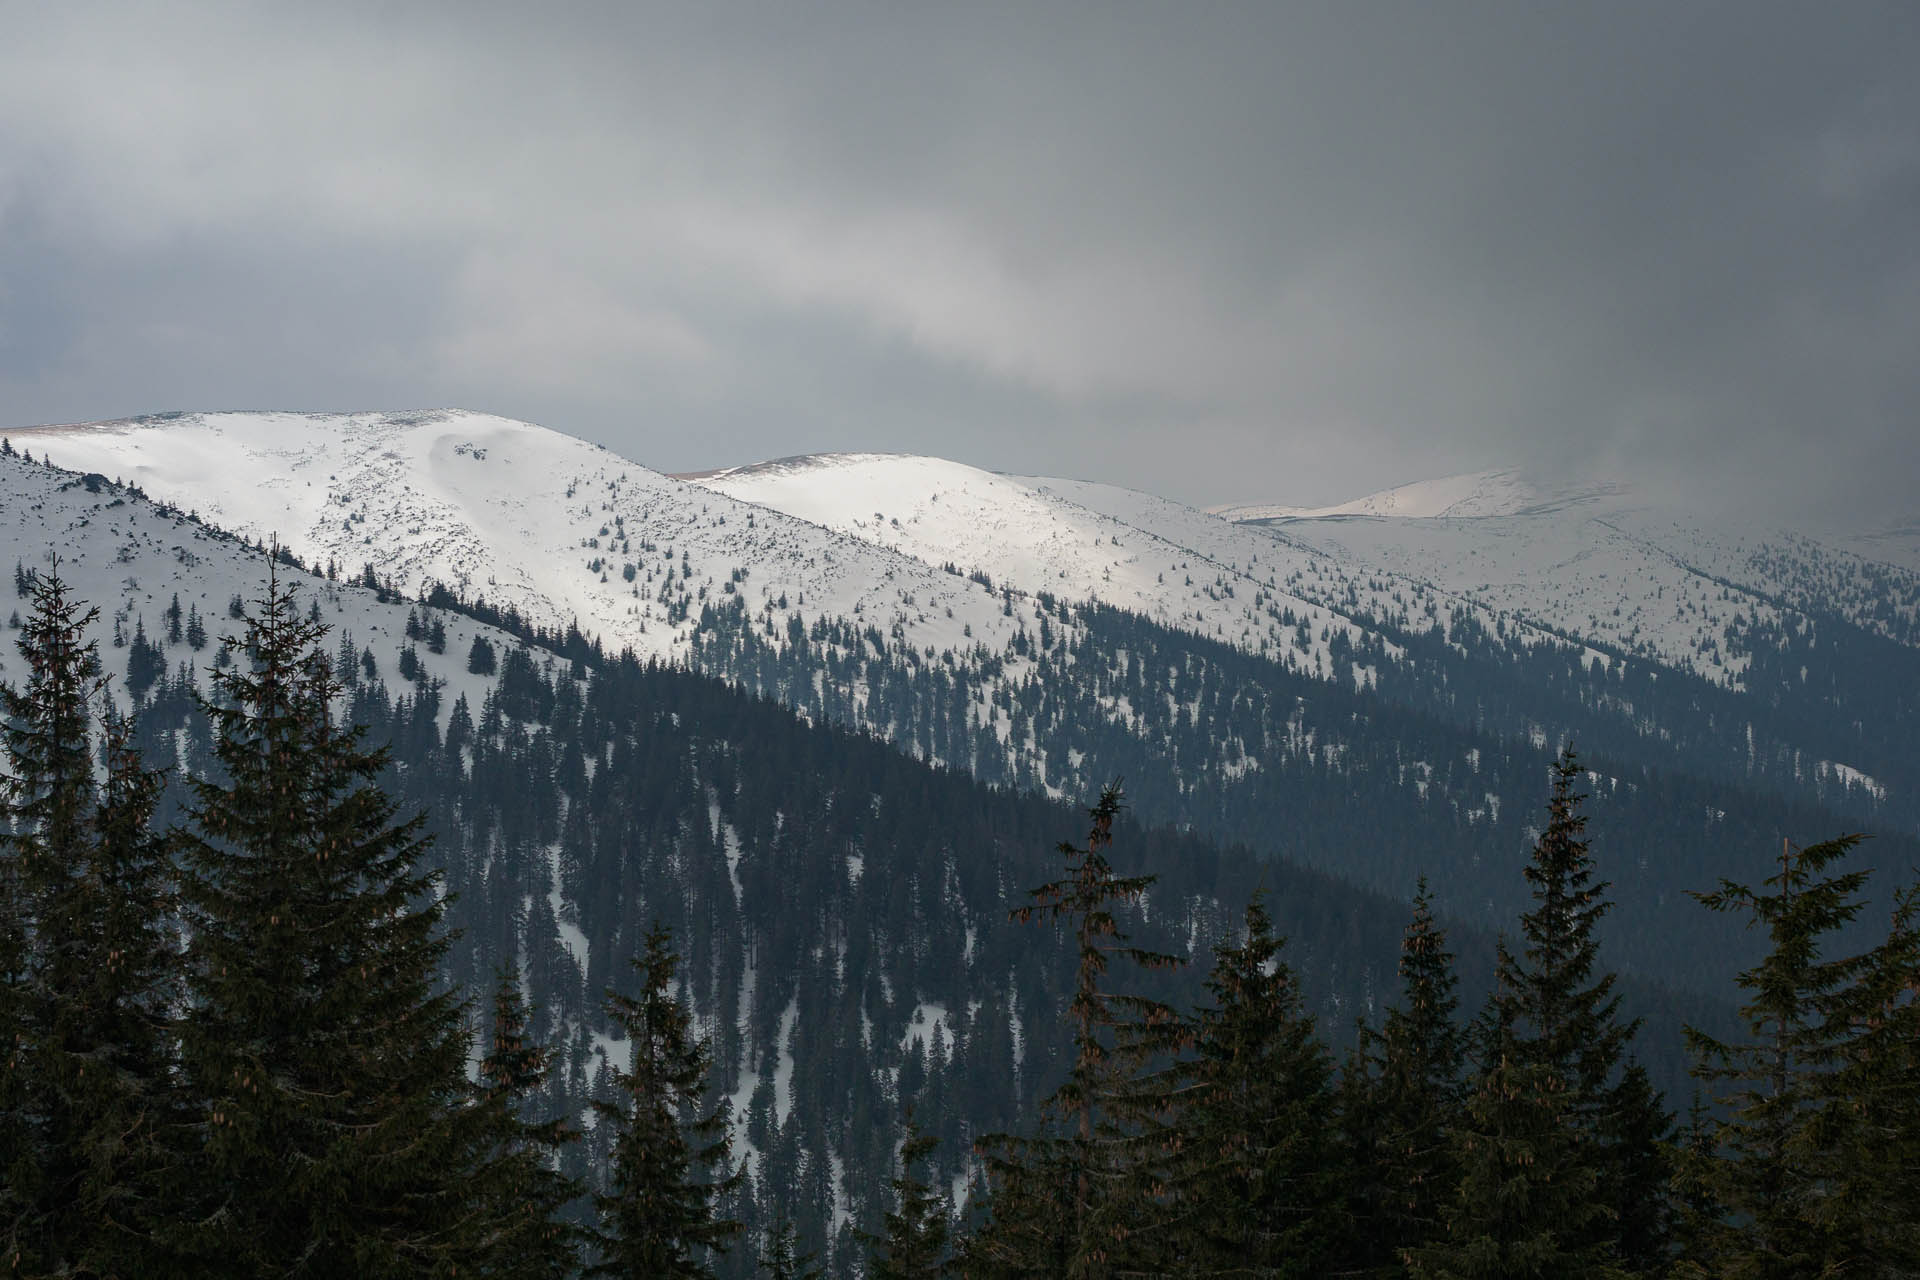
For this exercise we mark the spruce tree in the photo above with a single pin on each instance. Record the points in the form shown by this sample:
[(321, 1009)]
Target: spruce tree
[(19, 1162), (1259, 1184), (1639, 1131), (480, 658), (1880, 1154), (912, 1244), (660, 1215), (91, 967), (48, 795), (145, 661), (780, 1258), (519, 1194), (118, 1022), (1402, 1096), (327, 1067), (45, 844), (1085, 1197), (1526, 1204), (1563, 1017), (1812, 1171), (1564, 1009), (1560, 1144)]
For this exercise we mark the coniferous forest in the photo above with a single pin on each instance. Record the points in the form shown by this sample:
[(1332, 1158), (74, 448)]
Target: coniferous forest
[(286, 990)]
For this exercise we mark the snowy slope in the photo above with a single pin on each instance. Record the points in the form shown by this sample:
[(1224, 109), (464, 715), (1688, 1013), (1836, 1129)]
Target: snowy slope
[(1576, 563), (1897, 545), (924, 549), (1481, 493), (559, 529), (130, 559), (1597, 563), (1179, 567)]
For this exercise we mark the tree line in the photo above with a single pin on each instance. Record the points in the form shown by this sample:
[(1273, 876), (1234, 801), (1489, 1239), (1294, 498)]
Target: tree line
[(1424, 771), (1526, 1142), (232, 1051), (229, 1049)]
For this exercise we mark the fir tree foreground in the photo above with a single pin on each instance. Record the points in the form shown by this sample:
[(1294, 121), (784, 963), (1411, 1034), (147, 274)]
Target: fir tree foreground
[(287, 1095)]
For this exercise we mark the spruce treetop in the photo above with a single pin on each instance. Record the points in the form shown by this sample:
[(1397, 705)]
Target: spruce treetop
[(660, 1214)]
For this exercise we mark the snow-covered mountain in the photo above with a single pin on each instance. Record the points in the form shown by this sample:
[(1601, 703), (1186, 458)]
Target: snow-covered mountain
[(1588, 563), (1362, 698), (1497, 565), (132, 560), (1480, 493), (1050, 634), (1170, 563), (566, 532), (1897, 544), (1599, 563), (932, 560), (562, 531)]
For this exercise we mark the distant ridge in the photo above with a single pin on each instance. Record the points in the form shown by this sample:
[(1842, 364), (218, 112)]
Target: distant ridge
[(1478, 494)]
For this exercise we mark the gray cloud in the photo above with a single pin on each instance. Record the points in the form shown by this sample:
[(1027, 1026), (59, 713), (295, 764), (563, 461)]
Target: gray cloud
[(1277, 251)]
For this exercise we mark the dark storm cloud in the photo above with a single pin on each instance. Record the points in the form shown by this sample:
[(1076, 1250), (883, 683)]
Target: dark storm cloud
[(1277, 251)]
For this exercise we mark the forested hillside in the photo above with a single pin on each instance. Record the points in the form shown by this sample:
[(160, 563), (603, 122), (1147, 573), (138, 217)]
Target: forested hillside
[(235, 1046), (1436, 773), (842, 909)]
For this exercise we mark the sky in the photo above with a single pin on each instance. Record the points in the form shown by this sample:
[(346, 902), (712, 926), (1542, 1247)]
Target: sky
[(1279, 252)]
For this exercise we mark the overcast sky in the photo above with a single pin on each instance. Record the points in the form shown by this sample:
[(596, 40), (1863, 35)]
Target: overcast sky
[(1286, 252)]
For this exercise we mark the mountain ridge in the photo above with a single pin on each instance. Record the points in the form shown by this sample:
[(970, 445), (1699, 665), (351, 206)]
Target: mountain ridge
[(940, 561), (1501, 491)]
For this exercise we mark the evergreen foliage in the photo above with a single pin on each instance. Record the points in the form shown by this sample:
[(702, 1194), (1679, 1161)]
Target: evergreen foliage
[(1879, 1192), (667, 1174), (578, 799), (49, 796), (1526, 1203), (1401, 1099), (1561, 1151), (1811, 1173), (480, 658), (1259, 1182), (1085, 1197), (560, 804), (913, 1241), (145, 661), (19, 1160), (1561, 1009), (519, 1194), (89, 967), (1425, 770), (780, 1258), (1564, 1029), (1638, 1132), (324, 1063)]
